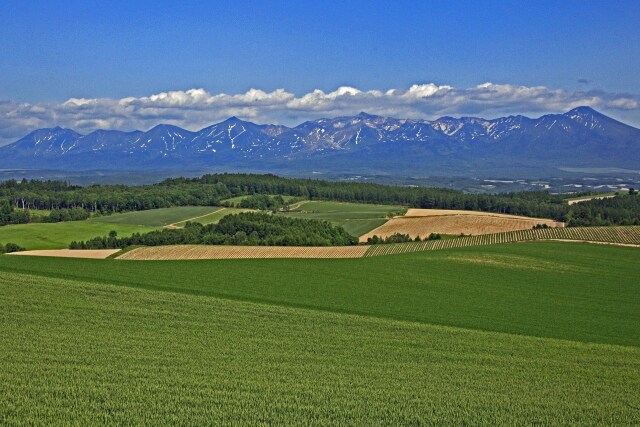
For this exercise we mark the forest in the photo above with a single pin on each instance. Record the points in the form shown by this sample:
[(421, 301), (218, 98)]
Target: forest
[(210, 190), (249, 228)]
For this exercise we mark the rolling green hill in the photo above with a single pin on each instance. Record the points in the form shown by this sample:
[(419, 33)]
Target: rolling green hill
[(512, 334), (557, 290), (59, 235), (88, 353), (158, 217)]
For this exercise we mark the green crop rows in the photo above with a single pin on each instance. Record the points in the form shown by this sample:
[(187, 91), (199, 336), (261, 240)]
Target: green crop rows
[(521, 334), (77, 353)]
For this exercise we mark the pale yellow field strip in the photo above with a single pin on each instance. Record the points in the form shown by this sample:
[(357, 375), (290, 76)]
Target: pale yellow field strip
[(71, 253), (183, 252), (447, 212)]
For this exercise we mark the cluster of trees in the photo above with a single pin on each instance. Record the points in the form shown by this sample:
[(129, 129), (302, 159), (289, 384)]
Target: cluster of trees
[(620, 210), (250, 228), (538, 204), (210, 190), (9, 215), (106, 199), (400, 238), (11, 247), (540, 226), (60, 215)]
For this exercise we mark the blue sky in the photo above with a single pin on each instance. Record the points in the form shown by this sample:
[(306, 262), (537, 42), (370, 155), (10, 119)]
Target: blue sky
[(54, 51)]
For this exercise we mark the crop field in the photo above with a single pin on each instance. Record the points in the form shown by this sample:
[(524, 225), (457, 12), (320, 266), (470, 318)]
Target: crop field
[(355, 218), (623, 235), (37, 236), (213, 217), (423, 222), (592, 287), (236, 200), (59, 235), (226, 252), (68, 253), (158, 217), (543, 333)]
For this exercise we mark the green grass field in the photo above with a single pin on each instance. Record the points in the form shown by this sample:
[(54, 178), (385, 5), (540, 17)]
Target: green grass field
[(518, 334), (158, 217), (356, 218), (561, 290), (214, 217), (236, 200), (59, 235)]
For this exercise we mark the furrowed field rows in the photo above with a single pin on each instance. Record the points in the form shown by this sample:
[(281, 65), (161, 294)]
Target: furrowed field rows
[(229, 252), (620, 235), (424, 222), (616, 235), (78, 353)]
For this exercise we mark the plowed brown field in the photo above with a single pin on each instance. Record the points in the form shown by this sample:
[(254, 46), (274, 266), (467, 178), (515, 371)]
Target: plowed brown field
[(228, 252), (423, 222)]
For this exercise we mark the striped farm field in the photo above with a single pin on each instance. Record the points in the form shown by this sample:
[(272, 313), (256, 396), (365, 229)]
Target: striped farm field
[(423, 222), (623, 235), (229, 252)]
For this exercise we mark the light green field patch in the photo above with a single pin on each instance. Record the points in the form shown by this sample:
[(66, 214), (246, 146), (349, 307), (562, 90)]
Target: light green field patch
[(236, 200), (100, 354), (58, 235), (356, 218), (157, 217), (517, 262), (214, 217)]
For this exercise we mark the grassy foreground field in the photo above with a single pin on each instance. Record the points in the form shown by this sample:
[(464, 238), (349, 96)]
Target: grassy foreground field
[(82, 353), (560, 290)]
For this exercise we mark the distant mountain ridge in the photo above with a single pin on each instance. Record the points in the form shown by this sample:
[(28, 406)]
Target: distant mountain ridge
[(581, 137)]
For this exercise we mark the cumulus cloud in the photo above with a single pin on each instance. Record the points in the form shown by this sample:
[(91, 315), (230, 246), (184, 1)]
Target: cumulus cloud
[(197, 108)]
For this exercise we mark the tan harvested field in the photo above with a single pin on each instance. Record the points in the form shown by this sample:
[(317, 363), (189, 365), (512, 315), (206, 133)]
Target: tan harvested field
[(625, 235), (445, 212), (423, 222), (71, 253), (229, 252)]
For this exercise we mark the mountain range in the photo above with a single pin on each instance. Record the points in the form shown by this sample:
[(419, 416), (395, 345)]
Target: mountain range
[(363, 143)]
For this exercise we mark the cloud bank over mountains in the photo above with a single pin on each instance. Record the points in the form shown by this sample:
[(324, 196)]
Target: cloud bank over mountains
[(196, 108)]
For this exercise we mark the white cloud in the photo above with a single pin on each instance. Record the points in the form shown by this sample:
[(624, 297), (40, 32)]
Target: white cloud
[(197, 108)]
